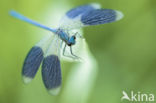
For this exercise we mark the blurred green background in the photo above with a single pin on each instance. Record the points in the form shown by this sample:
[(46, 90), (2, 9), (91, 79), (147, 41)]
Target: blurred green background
[(125, 50)]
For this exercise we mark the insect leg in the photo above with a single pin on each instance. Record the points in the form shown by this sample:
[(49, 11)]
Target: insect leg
[(73, 56), (76, 57), (64, 50)]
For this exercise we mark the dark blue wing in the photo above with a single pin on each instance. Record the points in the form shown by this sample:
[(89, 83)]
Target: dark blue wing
[(89, 15), (51, 74), (34, 58), (51, 68), (32, 63), (75, 12), (71, 20), (100, 16)]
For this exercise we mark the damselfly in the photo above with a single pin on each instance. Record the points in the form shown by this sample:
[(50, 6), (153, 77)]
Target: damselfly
[(48, 49)]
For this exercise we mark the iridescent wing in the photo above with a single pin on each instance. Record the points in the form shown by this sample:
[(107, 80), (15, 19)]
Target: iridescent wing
[(34, 58), (48, 51), (90, 14), (51, 68)]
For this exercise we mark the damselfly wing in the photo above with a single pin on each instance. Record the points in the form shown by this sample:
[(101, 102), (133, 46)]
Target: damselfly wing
[(87, 15)]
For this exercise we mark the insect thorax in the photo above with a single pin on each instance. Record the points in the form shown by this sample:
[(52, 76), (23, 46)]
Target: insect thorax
[(65, 37)]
